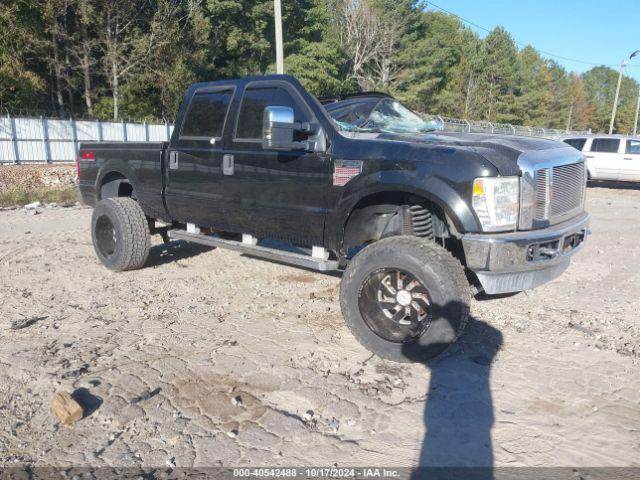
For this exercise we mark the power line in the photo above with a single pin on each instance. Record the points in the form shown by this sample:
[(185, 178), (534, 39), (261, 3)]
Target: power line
[(549, 54)]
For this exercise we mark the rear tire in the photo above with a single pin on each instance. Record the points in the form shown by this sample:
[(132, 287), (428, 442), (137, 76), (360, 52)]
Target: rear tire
[(120, 234), (405, 298)]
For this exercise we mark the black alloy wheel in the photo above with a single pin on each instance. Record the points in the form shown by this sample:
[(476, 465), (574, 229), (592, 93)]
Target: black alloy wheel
[(395, 305)]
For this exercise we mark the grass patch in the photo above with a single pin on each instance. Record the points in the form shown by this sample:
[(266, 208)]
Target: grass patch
[(20, 196)]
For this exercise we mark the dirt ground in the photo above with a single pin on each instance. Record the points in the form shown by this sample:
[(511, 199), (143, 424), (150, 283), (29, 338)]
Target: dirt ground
[(207, 357)]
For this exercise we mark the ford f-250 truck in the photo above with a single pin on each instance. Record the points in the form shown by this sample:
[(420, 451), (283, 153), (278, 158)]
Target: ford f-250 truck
[(418, 219)]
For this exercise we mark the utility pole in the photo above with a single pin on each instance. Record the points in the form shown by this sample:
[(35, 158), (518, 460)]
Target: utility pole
[(277, 6), (615, 101), (635, 121)]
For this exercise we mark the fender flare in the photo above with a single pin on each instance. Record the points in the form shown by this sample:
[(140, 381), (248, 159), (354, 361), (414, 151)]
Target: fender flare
[(112, 167), (431, 188)]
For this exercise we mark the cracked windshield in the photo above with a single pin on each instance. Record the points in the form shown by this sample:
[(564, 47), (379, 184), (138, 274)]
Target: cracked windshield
[(388, 116)]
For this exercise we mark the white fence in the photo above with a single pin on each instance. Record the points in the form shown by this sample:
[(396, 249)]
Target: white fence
[(45, 140)]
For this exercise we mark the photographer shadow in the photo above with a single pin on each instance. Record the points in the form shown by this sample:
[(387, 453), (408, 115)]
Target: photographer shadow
[(459, 413)]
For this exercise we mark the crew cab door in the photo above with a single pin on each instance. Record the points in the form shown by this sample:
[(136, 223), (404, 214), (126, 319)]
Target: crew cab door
[(267, 193), (630, 164), (194, 167), (603, 158)]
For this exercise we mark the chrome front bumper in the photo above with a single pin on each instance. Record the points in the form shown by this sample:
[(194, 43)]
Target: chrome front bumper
[(512, 262)]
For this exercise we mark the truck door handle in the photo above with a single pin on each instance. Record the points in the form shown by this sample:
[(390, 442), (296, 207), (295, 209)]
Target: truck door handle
[(590, 156), (628, 158), (173, 160), (227, 164)]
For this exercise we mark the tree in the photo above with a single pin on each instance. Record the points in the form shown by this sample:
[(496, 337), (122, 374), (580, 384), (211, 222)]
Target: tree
[(558, 88), (627, 107), (317, 58), (600, 86), (580, 111), (395, 18), (128, 31), (440, 58), (533, 92), (83, 49), (498, 56), (361, 35), (157, 88), (21, 85), (241, 33), (58, 17)]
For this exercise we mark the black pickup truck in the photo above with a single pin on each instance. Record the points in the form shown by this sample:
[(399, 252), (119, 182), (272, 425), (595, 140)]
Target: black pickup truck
[(417, 219)]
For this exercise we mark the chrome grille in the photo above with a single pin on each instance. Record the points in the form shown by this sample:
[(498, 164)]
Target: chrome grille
[(567, 189), (559, 191), (542, 195)]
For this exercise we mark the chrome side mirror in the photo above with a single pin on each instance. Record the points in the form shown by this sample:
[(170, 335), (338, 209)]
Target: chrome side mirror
[(278, 128), (279, 114)]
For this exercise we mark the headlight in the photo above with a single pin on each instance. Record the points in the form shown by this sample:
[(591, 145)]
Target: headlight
[(495, 201)]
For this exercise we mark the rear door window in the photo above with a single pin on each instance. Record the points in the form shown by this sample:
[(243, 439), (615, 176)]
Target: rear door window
[(605, 145), (206, 115), (633, 147), (577, 143), (255, 100)]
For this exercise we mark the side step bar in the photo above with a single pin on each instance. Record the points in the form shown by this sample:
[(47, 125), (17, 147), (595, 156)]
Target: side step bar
[(274, 254)]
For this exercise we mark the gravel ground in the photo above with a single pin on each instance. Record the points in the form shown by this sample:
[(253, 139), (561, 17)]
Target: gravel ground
[(207, 357), (28, 177)]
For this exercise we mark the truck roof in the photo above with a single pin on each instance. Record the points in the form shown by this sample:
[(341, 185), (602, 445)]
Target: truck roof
[(244, 80), (327, 102), (354, 96)]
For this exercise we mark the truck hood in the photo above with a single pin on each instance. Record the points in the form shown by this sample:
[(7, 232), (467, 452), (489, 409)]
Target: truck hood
[(502, 151)]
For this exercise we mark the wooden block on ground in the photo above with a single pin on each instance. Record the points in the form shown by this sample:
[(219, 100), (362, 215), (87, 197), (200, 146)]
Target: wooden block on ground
[(65, 408)]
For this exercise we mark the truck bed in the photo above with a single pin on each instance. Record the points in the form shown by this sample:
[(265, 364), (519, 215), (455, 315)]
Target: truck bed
[(100, 163)]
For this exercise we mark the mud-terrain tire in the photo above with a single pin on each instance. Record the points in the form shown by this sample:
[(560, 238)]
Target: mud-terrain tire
[(398, 262), (120, 234)]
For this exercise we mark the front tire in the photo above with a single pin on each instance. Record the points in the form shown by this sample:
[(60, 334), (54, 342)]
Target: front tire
[(405, 298), (120, 233)]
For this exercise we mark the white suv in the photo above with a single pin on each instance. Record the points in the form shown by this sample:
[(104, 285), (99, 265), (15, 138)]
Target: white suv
[(609, 157)]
